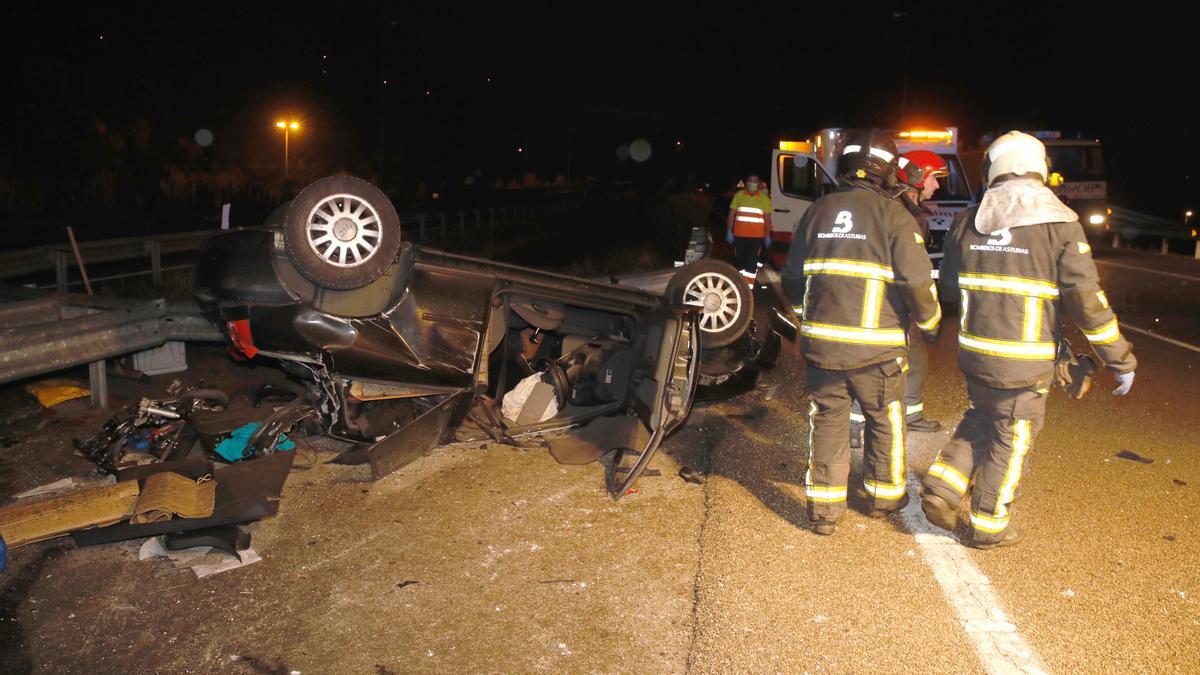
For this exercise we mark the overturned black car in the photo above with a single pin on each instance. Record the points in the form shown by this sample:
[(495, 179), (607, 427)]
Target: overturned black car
[(403, 348)]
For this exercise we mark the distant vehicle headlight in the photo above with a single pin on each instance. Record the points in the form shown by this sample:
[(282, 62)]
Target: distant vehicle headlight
[(1096, 219)]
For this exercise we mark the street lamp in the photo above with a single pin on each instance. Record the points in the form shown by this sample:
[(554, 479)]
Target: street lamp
[(288, 126)]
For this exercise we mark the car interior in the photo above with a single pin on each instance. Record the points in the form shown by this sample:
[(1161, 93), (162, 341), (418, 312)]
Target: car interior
[(585, 355)]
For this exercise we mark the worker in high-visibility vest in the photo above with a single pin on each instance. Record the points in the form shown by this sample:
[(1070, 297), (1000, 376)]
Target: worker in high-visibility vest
[(1018, 262), (748, 226)]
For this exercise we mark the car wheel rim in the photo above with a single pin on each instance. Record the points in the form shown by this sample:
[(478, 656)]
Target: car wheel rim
[(717, 297), (344, 230)]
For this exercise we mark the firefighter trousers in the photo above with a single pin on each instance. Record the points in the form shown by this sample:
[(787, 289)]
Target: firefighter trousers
[(914, 394), (880, 389), (992, 445)]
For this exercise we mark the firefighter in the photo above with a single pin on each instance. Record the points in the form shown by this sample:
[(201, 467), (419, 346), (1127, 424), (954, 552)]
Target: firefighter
[(918, 173), (855, 274), (1018, 262), (748, 226)]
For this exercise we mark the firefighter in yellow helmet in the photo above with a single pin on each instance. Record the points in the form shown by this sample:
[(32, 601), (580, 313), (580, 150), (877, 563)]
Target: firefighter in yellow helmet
[(856, 274), (748, 226), (1018, 262)]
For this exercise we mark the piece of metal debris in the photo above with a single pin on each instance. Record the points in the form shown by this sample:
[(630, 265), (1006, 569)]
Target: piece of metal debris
[(690, 475), (406, 584), (1180, 483)]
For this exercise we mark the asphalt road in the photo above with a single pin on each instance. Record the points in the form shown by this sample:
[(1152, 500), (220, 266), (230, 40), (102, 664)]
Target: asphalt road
[(522, 564)]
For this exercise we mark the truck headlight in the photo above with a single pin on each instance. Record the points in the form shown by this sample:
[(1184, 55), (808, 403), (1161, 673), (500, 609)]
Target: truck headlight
[(1096, 219)]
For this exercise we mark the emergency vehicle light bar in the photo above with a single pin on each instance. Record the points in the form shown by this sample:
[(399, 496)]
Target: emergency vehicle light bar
[(942, 135), (795, 146)]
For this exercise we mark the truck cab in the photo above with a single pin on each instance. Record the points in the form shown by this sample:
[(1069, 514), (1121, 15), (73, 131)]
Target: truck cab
[(1080, 161)]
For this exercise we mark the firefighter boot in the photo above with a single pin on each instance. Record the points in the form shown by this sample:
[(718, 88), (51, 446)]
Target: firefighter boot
[(924, 426), (939, 511), (1011, 537), (824, 527)]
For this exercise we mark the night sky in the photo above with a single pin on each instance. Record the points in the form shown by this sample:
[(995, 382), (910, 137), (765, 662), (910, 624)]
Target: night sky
[(567, 83)]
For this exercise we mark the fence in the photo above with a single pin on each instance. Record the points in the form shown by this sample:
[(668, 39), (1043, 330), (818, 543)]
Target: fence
[(423, 227)]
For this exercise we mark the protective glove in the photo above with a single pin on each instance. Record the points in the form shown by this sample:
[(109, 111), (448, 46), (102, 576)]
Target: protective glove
[(767, 241), (729, 236), (1124, 382)]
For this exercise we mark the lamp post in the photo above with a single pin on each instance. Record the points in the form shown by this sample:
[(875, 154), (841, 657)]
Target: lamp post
[(288, 127)]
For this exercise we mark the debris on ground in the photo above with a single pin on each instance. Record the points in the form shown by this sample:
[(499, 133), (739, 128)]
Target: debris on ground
[(203, 561), (50, 393), (1180, 483), (47, 489), (28, 522), (690, 475), (1127, 454)]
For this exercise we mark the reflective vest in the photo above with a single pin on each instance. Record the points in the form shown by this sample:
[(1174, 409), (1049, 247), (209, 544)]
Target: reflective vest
[(749, 214), (1013, 287)]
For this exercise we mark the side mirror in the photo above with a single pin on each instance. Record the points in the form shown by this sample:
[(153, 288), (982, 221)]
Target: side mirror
[(1056, 179)]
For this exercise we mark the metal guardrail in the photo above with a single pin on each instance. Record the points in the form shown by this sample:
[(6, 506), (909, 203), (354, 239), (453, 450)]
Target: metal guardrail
[(1128, 225), (420, 226)]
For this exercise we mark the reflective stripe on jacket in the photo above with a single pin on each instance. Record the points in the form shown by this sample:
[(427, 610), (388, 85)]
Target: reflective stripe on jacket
[(1013, 287), (856, 273), (750, 214)]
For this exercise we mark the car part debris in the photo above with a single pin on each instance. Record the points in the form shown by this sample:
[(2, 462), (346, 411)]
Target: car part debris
[(690, 475), (1126, 454), (165, 495), (228, 538), (246, 491), (28, 522), (162, 420)]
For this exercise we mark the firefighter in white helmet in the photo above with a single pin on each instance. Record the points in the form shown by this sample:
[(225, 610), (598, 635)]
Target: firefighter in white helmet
[(1018, 262)]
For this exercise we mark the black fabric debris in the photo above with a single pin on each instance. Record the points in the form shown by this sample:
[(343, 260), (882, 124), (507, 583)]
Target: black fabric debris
[(692, 476), (1126, 454)]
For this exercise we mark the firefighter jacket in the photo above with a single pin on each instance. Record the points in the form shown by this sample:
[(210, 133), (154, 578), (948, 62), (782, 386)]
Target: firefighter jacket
[(749, 214), (856, 272), (1013, 286)]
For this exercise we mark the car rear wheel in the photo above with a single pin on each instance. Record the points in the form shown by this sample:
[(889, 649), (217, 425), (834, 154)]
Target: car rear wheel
[(341, 232), (725, 301)]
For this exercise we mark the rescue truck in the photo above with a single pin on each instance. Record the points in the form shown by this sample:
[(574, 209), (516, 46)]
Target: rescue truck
[(1084, 188), (804, 171)]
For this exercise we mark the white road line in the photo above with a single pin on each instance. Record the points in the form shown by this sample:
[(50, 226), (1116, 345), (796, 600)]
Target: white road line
[(1146, 269), (1000, 647), (1156, 336)]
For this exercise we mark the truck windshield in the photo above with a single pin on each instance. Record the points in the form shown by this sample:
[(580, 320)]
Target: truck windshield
[(953, 187), (1077, 162)]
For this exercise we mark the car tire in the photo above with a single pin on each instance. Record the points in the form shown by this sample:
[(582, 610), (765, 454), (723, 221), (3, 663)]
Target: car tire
[(341, 233), (726, 302)]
